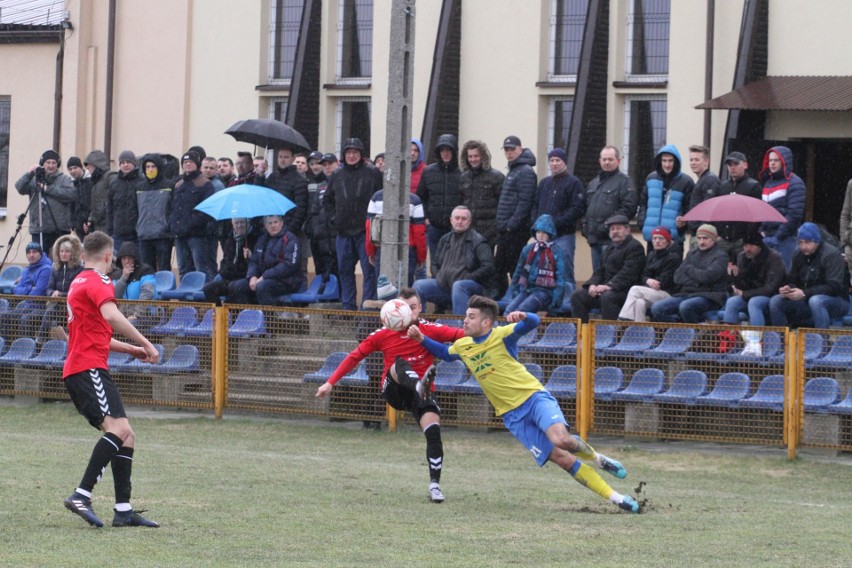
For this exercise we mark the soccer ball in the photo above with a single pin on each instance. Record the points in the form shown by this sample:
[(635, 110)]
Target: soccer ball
[(396, 315)]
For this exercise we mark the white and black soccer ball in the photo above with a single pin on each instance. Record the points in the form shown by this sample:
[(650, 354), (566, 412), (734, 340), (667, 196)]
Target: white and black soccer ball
[(396, 315)]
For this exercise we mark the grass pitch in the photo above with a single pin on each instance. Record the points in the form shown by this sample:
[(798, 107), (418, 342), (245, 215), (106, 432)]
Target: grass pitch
[(270, 492)]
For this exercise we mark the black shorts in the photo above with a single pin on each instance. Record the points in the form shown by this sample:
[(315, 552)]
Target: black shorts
[(402, 398), (95, 396)]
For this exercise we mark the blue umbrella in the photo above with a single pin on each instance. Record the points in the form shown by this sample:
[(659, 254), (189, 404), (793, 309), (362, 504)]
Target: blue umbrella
[(245, 201)]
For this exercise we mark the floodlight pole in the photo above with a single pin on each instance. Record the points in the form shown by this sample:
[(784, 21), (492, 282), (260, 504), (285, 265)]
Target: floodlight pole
[(397, 180)]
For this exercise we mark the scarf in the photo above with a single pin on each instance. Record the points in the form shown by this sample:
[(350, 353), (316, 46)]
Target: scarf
[(546, 275)]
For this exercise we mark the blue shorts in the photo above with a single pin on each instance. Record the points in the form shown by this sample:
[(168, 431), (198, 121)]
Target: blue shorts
[(529, 422)]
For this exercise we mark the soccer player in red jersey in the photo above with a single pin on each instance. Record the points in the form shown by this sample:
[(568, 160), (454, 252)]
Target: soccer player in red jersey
[(92, 317), (406, 361)]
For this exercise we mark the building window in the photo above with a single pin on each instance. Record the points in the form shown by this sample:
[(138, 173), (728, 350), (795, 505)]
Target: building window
[(5, 121), (355, 40), (353, 121), (284, 25), (648, 40), (644, 134), (567, 23), (559, 121), (278, 108)]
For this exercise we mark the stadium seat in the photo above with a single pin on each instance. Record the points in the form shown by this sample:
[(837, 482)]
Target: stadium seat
[(558, 337), (286, 298), (182, 318), (117, 359), (204, 328), (450, 373), (676, 341), (135, 365), (644, 385), (8, 278), (729, 389), (563, 382), (184, 359), (820, 393), (839, 356), (165, 282), (770, 394), (52, 354), (534, 369), (685, 388), (4, 305), (636, 339), (470, 386), (813, 351), (449, 322), (319, 291), (506, 299), (22, 349), (189, 288), (331, 363), (844, 406), (249, 323), (527, 339), (607, 381), (357, 376), (770, 347), (604, 336)]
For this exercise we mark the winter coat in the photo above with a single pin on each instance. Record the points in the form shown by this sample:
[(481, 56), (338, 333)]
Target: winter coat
[(122, 207), (35, 279), (704, 273), (785, 191), (293, 185), (479, 190), (661, 265), (731, 231), (154, 204), (82, 210), (822, 273), (761, 275), (234, 263), (706, 187), (417, 167), (543, 223), (101, 179), (608, 194), (141, 284), (478, 259), (564, 198), (59, 195), (184, 220), (348, 195), (278, 257), (665, 196), (439, 186), (620, 267), (64, 273), (517, 195), (317, 225)]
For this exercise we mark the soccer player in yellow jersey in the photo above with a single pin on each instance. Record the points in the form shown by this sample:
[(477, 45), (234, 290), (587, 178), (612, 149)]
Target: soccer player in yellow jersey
[(529, 412)]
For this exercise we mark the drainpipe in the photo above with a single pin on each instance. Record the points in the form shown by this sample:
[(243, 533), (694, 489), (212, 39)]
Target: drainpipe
[(57, 89), (708, 69), (110, 72)]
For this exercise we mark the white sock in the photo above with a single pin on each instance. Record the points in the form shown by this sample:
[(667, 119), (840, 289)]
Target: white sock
[(616, 497), (123, 507)]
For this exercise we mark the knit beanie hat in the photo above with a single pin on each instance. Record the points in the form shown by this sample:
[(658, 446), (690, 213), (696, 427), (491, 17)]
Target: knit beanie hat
[(707, 230), (558, 153), (753, 238), (75, 161), (192, 157), (384, 289), (34, 246), (49, 155), (127, 156), (809, 232), (663, 232)]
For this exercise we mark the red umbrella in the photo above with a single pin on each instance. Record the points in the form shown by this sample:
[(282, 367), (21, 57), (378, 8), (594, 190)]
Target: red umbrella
[(735, 208)]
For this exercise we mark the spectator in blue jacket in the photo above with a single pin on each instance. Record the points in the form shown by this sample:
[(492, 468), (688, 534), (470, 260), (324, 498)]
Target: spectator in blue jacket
[(666, 197), (274, 268), (785, 191), (33, 282), (539, 280)]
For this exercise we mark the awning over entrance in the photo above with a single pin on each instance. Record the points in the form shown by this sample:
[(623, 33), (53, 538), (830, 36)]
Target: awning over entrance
[(788, 93)]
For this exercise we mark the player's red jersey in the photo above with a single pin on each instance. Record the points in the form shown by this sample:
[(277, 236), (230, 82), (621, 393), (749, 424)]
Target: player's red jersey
[(397, 344), (89, 333)]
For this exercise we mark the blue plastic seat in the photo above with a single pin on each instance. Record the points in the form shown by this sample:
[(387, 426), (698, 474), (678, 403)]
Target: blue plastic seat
[(319, 291), (563, 382), (558, 337), (534, 369), (52, 354), (8, 277), (204, 328), (184, 359), (22, 349), (604, 336), (506, 299), (770, 394), (844, 406), (527, 339), (813, 350), (839, 356), (165, 282), (249, 323), (729, 389), (676, 341), (820, 393), (450, 373), (635, 341), (332, 361), (117, 359), (286, 299), (643, 386), (182, 318), (357, 376), (189, 288), (470, 386), (135, 365), (608, 380), (685, 388), (770, 348)]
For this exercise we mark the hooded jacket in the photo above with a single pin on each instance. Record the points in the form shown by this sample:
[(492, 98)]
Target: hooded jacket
[(479, 190), (278, 257), (517, 195), (417, 166), (439, 185), (101, 179), (82, 210), (154, 203), (60, 195), (122, 207), (530, 270), (785, 191), (666, 196), (35, 279), (293, 185), (563, 197), (141, 284), (64, 273), (348, 195), (608, 194)]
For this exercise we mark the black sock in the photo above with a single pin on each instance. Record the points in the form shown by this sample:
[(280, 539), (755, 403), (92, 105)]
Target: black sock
[(105, 449), (434, 451), (122, 464), (405, 375)]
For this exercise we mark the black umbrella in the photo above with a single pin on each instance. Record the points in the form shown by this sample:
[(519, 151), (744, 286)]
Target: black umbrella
[(269, 134)]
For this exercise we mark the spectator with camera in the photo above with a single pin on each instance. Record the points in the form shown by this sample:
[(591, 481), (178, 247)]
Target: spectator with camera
[(52, 197)]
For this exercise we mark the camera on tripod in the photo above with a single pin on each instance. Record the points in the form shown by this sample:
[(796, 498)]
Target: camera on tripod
[(40, 174)]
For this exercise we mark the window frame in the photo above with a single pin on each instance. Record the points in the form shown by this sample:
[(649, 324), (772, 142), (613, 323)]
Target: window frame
[(552, 74), (364, 79), (275, 49), (626, 150), (629, 75)]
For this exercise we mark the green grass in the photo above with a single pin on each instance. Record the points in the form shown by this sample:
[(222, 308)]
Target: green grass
[(271, 492)]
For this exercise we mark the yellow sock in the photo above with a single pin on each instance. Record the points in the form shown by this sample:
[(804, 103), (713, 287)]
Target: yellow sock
[(585, 450), (588, 477)]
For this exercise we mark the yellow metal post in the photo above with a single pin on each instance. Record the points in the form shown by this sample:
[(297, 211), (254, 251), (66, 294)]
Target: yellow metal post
[(584, 394), (791, 394), (220, 359), (392, 416)]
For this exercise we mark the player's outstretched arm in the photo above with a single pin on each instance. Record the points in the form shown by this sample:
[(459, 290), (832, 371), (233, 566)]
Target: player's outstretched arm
[(514, 317), (439, 350), (324, 390), (119, 323)]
